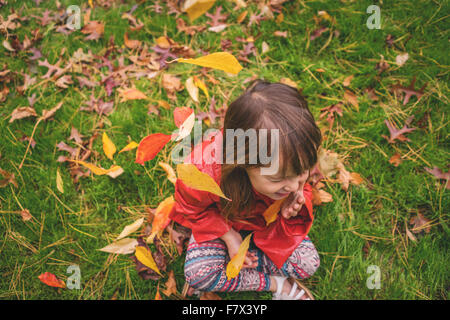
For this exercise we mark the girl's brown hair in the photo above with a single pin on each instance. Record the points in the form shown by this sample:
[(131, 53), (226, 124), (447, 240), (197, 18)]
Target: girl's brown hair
[(266, 105)]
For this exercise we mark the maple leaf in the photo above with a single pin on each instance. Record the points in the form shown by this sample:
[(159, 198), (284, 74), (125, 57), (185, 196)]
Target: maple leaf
[(51, 68), (397, 133), (216, 18), (8, 178), (409, 91), (330, 112)]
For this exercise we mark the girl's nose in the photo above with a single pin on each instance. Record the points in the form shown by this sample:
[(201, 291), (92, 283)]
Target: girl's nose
[(292, 186)]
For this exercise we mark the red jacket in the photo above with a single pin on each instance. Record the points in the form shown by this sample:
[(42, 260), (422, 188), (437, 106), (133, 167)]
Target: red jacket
[(200, 211)]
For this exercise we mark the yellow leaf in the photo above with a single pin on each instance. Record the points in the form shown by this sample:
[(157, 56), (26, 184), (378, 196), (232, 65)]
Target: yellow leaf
[(132, 145), (200, 84), (193, 178), (219, 60), (146, 258), (236, 263), (59, 182), (96, 170), (108, 146), (270, 215), (195, 8), (170, 172)]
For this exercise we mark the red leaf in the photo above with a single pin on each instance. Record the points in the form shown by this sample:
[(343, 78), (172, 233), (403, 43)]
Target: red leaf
[(150, 146), (180, 114), (51, 280)]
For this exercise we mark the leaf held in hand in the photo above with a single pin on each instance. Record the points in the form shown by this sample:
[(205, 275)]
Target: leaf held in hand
[(193, 178), (219, 60), (51, 280), (236, 263), (270, 214), (150, 146), (146, 258)]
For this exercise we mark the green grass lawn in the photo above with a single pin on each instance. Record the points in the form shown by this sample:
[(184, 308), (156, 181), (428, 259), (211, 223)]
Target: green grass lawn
[(364, 226)]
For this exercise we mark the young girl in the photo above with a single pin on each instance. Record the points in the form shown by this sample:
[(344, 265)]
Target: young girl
[(278, 250)]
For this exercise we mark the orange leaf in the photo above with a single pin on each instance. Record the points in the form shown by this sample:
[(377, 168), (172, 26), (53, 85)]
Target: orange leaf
[(180, 114), (150, 146), (131, 44), (132, 145), (171, 285), (108, 146), (270, 215), (161, 217), (131, 94), (51, 280)]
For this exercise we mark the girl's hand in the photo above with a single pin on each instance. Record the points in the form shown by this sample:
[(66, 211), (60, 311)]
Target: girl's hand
[(292, 205), (233, 240)]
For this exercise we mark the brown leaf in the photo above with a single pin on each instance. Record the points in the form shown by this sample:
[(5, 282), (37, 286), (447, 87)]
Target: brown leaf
[(22, 112), (171, 285), (9, 178), (351, 98), (438, 173), (26, 215), (395, 159), (420, 223), (409, 91), (131, 44), (172, 84), (46, 114)]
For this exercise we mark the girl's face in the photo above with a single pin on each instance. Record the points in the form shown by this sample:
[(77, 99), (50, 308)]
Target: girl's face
[(275, 186)]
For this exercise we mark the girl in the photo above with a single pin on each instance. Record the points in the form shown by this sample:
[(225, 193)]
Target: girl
[(280, 249)]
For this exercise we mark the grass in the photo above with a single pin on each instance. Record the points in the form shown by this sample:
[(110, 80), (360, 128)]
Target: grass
[(362, 227)]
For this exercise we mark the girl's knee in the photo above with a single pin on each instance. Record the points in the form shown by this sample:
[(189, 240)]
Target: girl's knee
[(303, 262)]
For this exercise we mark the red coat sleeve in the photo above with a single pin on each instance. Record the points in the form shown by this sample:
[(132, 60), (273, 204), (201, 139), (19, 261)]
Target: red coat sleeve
[(198, 211), (283, 236)]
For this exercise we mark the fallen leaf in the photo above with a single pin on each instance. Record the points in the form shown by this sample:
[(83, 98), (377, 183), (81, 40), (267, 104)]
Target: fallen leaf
[(59, 182), (172, 84), (131, 44), (161, 217), (196, 8), (108, 146), (401, 59), (420, 223), (347, 81), (96, 170), (47, 114), (397, 133), (351, 98), (200, 84), (236, 262), (9, 178), (157, 295), (122, 246), (150, 146), (438, 173), (192, 89), (194, 178), (185, 128), (129, 229), (145, 257), (220, 60), (395, 159), (26, 215), (409, 91), (132, 145), (171, 176), (207, 295), (22, 112), (131, 94), (171, 285), (51, 280)]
